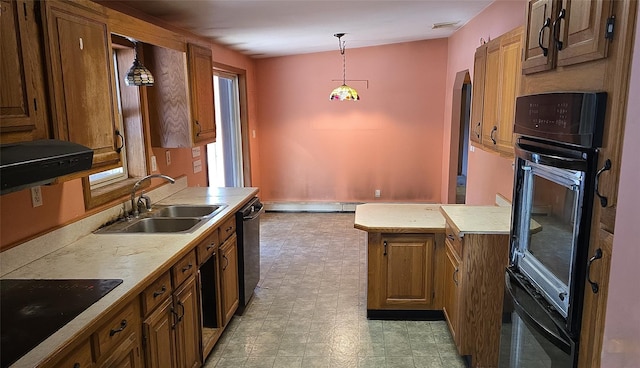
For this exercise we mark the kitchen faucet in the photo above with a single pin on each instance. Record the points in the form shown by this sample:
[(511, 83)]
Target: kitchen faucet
[(147, 201)]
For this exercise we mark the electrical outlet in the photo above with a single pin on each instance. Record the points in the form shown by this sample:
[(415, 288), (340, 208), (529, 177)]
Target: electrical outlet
[(167, 154), (36, 196), (377, 193), (154, 164), (195, 152)]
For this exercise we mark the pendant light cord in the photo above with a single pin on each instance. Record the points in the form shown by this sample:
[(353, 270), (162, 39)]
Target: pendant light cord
[(341, 46)]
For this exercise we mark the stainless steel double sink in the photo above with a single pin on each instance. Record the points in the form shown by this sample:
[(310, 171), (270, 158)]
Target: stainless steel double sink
[(177, 218)]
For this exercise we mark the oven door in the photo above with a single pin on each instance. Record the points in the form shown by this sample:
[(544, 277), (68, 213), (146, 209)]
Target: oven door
[(532, 335), (547, 220)]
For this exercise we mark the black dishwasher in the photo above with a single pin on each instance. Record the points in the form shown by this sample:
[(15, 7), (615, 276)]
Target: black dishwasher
[(248, 230)]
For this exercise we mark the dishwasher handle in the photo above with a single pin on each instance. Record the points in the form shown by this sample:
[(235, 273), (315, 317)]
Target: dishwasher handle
[(255, 212)]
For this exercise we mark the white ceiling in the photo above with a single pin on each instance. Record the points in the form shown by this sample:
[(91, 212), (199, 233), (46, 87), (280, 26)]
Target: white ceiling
[(266, 28)]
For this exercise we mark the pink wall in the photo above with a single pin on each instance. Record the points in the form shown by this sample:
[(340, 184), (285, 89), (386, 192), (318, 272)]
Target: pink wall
[(621, 347), (488, 173), (313, 149)]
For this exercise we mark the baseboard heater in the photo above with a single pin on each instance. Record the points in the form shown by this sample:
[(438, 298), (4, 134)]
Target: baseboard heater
[(311, 206)]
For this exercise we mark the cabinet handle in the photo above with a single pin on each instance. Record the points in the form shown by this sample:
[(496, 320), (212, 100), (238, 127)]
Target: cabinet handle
[(495, 129), (123, 325), (183, 311), (175, 318), (385, 248), (606, 167), (477, 129), (451, 237), (210, 246), (226, 259), (187, 268), (228, 229), (556, 29), (455, 280), (547, 23), (199, 129), (76, 365), (118, 149), (160, 292), (594, 285)]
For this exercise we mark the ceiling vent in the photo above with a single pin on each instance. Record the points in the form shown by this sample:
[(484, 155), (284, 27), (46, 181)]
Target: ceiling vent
[(444, 25)]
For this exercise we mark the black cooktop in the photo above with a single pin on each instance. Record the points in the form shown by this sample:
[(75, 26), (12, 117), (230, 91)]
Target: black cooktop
[(32, 310)]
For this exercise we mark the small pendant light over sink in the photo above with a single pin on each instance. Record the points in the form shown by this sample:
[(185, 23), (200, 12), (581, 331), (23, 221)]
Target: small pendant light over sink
[(138, 74), (343, 92)]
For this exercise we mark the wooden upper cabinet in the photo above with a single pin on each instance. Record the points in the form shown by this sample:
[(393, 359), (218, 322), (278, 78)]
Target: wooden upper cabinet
[(491, 94), (539, 51), (477, 93), (570, 31), (510, 66), (23, 105), (202, 103), (181, 109), (82, 79)]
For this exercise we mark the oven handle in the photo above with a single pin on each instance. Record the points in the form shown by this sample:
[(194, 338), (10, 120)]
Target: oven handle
[(530, 154), (555, 339)]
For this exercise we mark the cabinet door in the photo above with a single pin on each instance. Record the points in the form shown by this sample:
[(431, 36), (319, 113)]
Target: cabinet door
[(202, 103), (595, 303), (582, 31), (126, 355), (80, 357), (159, 334), (510, 66), (188, 332), (79, 52), (23, 109), (229, 278), (409, 271), (491, 100), (539, 50), (452, 289), (479, 63)]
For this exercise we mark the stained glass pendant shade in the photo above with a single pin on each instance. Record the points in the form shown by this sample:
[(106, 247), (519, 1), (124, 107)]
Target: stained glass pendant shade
[(343, 92), (138, 74)]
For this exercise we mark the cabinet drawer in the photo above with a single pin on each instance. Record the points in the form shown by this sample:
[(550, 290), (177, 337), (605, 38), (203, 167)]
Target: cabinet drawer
[(80, 357), (207, 247), (117, 329), (453, 239), (227, 228), (184, 268), (156, 293)]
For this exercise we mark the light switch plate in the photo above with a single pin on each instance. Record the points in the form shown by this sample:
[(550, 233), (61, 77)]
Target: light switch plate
[(197, 166), (195, 152), (154, 164), (167, 154)]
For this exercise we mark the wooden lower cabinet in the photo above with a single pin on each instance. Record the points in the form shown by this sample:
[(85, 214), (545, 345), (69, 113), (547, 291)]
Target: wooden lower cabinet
[(452, 287), (171, 332), (403, 272), (474, 292), (229, 278), (80, 357), (117, 342)]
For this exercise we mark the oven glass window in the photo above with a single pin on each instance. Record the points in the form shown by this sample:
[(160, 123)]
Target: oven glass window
[(553, 213)]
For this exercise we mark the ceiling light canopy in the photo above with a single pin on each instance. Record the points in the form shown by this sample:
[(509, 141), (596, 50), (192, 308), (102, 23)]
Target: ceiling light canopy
[(343, 92)]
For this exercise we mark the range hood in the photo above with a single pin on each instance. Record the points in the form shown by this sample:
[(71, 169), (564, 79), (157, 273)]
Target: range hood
[(27, 164)]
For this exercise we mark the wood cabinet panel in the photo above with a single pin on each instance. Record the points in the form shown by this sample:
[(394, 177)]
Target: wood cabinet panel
[(23, 105), (188, 332), (452, 287), (126, 355), (117, 329), (409, 270), (82, 85), (156, 293), (80, 357), (160, 344), (582, 31), (229, 278), (510, 68), (491, 94), (202, 103), (184, 268), (539, 52), (477, 94)]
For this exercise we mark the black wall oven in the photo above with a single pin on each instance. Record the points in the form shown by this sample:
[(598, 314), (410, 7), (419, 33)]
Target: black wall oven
[(555, 178)]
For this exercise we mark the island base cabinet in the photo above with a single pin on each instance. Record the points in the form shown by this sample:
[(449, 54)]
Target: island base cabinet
[(403, 273), (452, 289)]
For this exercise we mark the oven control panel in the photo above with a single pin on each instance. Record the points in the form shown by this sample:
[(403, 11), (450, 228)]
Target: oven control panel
[(575, 118)]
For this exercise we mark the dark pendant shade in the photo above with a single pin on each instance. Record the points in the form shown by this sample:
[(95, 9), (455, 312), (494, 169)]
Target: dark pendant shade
[(138, 75)]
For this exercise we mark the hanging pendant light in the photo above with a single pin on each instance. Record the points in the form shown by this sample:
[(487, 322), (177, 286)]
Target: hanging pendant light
[(343, 92), (138, 74)]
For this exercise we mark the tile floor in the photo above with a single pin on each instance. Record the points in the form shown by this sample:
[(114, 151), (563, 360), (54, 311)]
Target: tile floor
[(309, 309)]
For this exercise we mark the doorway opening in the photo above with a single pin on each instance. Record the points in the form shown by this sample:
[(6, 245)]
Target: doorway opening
[(460, 128), (227, 166)]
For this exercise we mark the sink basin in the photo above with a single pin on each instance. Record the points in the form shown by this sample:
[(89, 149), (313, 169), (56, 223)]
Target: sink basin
[(163, 225), (188, 210)]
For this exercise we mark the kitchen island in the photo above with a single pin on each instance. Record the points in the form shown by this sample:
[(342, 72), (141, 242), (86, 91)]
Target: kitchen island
[(430, 261), (141, 261)]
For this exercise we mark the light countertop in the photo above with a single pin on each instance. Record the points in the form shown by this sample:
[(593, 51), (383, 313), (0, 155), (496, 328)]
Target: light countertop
[(399, 218), (478, 219), (135, 258)]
